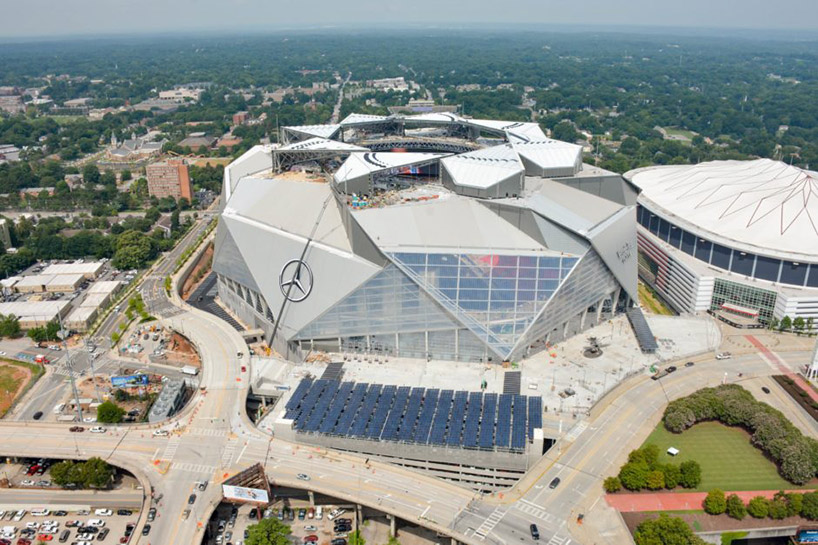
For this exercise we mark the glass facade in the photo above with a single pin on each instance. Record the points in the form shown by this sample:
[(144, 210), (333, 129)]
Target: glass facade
[(744, 263), (496, 296), (725, 291)]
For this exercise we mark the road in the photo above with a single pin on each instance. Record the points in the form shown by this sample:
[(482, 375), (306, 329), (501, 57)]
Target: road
[(125, 499), (213, 438), (336, 111)]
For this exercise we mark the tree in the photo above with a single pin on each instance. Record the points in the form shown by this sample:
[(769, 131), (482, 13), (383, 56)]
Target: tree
[(809, 505), (268, 532), (90, 175), (735, 508), (10, 326), (672, 476), (778, 507), (665, 530), (355, 538), (96, 473), (133, 250), (715, 503), (110, 413), (809, 325), (61, 473), (691, 474), (795, 502), (174, 221), (798, 324), (633, 475), (758, 507), (126, 175), (655, 480), (786, 324), (612, 485)]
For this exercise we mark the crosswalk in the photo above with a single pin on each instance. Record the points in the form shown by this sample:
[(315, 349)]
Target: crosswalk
[(192, 468), (559, 540), (227, 454), (208, 432), (533, 510), (491, 521), (171, 448), (576, 431)]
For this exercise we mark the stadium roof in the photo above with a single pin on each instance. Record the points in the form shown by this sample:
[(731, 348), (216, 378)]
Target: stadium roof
[(455, 222), (362, 164), (363, 119), (318, 144), (549, 154), (321, 131), (761, 206), (437, 117), (483, 168)]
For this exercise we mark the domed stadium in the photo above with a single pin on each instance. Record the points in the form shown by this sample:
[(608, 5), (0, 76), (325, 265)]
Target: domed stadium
[(425, 236), (736, 238)]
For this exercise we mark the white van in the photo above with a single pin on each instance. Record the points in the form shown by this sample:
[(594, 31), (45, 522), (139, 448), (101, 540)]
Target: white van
[(40, 512), (59, 408), (319, 512)]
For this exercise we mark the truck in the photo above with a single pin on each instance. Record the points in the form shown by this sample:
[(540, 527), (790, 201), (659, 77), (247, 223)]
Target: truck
[(190, 370), (40, 358)]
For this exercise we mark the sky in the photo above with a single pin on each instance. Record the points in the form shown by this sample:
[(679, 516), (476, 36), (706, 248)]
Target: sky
[(42, 18)]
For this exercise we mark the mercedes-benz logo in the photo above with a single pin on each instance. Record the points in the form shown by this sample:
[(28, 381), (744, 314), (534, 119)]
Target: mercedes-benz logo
[(295, 280)]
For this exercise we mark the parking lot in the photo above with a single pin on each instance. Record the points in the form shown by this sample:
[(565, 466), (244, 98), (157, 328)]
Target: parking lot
[(26, 524), (228, 523)]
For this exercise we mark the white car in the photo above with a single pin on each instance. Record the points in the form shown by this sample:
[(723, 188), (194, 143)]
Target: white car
[(97, 522), (32, 525), (27, 482), (98, 429), (160, 433), (89, 419), (100, 513)]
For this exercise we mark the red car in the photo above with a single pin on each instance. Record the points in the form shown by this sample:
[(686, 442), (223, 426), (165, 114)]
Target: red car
[(45, 537), (32, 470), (23, 541), (312, 538)]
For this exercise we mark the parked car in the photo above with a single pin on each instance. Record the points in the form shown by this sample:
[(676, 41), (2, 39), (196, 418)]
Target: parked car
[(535, 532), (555, 482), (146, 530), (98, 429), (765, 389), (38, 415), (689, 364), (151, 514), (303, 477), (76, 429)]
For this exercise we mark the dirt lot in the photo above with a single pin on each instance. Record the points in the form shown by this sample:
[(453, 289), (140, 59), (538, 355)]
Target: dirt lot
[(13, 380), (199, 272)]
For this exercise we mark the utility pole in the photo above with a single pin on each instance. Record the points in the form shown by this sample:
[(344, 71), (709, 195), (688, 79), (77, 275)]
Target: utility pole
[(63, 334)]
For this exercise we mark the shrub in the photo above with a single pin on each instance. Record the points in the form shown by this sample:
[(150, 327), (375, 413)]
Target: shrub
[(655, 480), (109, 412), (735, 507), (691, 474), (612, 485), (809, 505), (795, 503), (777, 508), (715, 503), (672, 476), (665, 529), (758, 507), (633, 475)]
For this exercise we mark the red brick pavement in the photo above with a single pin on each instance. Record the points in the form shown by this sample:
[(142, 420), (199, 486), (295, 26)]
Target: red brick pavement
[(783, 368), (674, 501)]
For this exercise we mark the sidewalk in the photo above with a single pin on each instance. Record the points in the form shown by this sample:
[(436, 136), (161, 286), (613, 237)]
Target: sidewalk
[(772, 358), (675, 501)]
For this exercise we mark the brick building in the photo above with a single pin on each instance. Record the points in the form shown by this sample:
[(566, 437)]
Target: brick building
[(169, 179)]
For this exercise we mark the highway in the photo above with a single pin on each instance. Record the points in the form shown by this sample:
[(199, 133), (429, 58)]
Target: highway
[(212, 438)]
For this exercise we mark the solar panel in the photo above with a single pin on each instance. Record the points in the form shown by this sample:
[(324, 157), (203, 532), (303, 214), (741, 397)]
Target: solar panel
[(390, 429), (300, 390), (407, 423), (308, 404), (502, 434), (365, 412), (444, 409), (456, 419), (534, 415), (351, 409), (373, 430), (644, 335), (470, 430), (338, 404), (486, 439), (321, 406), (424, 425), (518, 427)]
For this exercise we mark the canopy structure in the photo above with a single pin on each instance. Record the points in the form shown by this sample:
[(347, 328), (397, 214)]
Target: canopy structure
[(357, 172), (304, 132), (495, 171), (549, 158), (314, 149)]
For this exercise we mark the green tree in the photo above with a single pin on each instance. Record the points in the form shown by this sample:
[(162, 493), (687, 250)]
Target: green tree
[(62, 473), (90, 174), (809, 505), (10, 326), (798, 324), (612, 485), (672, 476), (174, 221), (758, 507), (651, 455), (355, 538), (268, 532), (633, 475), (126, 175), (778, 507), (795, 502), (691, 474), (110, 413), (735, 507), (810, 322), (665, 530), (655, 480), (786, 324), (96, 473), (715, 503), (133, 250)]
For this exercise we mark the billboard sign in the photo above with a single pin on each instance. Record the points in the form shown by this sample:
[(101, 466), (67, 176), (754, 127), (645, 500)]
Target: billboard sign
[(129, 381), (808, 536), (247, 495)]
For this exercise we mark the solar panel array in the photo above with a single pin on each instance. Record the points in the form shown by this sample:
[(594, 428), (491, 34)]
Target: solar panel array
[(376, 412)]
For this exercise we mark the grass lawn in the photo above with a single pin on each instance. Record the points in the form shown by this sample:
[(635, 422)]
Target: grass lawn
[(727, 458), (676, 131), (649, 300)]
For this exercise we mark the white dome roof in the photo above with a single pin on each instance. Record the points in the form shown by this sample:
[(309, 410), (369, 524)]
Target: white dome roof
[(761, 206)]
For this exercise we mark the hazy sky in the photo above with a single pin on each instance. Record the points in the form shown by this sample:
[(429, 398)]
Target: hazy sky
[(62, 17)]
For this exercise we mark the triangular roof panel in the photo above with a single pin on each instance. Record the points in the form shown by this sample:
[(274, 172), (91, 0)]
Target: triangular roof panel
[(483, 168)]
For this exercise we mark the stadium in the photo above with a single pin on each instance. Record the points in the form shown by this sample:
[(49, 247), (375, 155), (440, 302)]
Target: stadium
[(738, 239), (425, 236)]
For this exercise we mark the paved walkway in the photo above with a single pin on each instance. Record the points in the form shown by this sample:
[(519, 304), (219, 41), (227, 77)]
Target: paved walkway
[(675, 501), (773, 359)]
